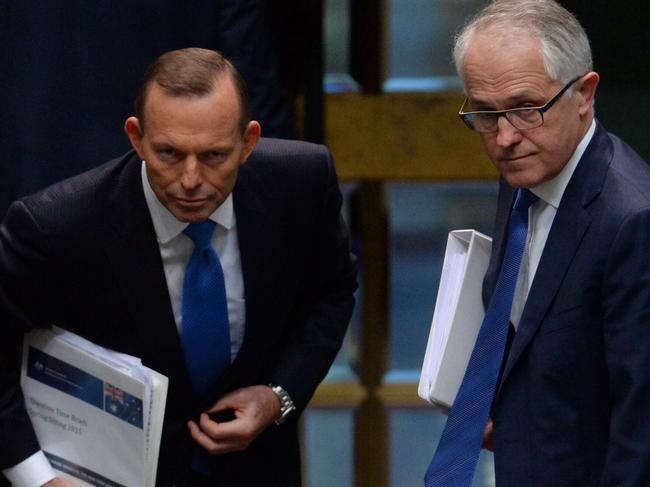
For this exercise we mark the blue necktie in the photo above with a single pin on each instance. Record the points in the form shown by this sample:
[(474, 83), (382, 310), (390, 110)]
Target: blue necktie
[(205, 334), (455, 459)]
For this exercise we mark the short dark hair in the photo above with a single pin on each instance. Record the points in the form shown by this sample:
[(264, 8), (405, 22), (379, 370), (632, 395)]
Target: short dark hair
[(191, 72)]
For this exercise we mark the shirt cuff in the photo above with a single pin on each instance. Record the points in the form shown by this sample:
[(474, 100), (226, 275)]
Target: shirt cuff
[(33, 472)]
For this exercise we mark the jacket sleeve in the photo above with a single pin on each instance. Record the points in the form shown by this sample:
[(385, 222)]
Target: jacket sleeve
[(626, 293), (327, 298), (27, 299)]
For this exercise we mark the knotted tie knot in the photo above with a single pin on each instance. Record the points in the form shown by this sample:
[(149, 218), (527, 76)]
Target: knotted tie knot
[(200, 233), (524, 199)]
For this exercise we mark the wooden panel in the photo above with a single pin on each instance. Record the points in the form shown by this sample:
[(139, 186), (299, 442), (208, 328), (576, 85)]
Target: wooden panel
[(350, 395), (338, 395), (403, 136), (401, 395)]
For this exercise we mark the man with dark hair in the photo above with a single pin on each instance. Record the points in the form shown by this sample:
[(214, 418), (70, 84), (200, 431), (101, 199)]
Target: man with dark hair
[(192, 72), (120, 255), (560, 373)]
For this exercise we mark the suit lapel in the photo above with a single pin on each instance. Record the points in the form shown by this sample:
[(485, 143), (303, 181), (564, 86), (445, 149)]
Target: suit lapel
[(257, 238), (567, 231), (569, 226), (134, 255)]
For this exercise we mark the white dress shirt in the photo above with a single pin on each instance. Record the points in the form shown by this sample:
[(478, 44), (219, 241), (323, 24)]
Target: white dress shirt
[(540, 219), (175, 250), (34, 471)]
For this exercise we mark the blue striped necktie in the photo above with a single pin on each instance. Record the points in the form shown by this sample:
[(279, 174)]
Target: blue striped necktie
[(455, 459), (205, 335)]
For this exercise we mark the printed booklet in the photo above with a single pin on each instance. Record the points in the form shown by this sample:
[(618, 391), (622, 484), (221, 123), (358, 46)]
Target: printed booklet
[(97, 413)]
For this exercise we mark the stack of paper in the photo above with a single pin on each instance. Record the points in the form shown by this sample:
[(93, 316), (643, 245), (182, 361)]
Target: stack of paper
[(457, 317), (97, 413)]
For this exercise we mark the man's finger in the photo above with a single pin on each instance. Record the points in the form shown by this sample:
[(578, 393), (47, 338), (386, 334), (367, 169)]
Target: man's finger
[(200, 437), (222, 431), (215, 446)]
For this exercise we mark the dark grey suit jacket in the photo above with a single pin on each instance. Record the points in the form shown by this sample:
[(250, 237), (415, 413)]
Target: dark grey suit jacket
[(573, 405), (83, 254)]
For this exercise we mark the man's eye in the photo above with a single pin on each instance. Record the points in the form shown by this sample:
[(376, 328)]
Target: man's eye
[(214, 156), (167, 153)]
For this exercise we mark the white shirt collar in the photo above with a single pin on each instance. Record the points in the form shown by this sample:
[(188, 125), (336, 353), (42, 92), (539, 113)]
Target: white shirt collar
[(551, 191), (166, 225)]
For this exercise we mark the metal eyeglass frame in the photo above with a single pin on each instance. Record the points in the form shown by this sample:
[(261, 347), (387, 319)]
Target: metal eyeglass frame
[(467, 117)]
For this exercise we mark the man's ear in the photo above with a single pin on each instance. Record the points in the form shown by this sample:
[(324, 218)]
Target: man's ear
[(251, 137), (133, 131), (587, 91)]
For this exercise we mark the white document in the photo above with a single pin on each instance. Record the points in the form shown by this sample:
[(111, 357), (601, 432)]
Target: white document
[(457, 317), (97, 413)]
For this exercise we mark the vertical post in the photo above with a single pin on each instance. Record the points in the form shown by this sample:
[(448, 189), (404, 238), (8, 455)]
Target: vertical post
[(371, 425), (371, 438), (314, 59), (367, 44)]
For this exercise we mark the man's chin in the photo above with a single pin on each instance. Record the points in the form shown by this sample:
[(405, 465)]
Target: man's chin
[(522, 179), (191, 215)]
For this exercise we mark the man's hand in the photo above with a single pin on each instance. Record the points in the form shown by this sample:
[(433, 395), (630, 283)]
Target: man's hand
[(58, 482), (254, 407), (487, 436)]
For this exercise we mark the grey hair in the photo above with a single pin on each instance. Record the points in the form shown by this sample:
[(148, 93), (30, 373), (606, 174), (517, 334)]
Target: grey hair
[(564, 44)]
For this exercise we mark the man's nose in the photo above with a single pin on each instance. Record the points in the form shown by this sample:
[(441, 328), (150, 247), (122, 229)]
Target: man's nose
[(507, 134), (191, 177)]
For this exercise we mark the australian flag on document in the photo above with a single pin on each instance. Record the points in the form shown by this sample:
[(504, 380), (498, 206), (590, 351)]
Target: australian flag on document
[(122, 405)]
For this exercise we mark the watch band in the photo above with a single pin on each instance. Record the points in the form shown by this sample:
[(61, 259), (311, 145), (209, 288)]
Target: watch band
[(286, 404)]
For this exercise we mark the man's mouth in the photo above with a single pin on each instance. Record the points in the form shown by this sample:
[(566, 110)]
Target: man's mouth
[(514, 158), (191, 202)]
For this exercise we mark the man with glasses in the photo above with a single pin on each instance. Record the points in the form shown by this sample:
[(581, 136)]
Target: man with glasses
[(567, 400)]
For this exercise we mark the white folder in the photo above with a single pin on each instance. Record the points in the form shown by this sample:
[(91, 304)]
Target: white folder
[(457, 317)]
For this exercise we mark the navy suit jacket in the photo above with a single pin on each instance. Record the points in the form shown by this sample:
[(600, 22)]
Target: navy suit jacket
[(83, 254), (573, 406)]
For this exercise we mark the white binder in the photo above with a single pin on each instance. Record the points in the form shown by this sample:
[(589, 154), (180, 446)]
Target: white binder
[(457, 317)]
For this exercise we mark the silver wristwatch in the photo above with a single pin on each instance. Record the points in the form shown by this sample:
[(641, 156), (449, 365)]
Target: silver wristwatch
[(286, 404)]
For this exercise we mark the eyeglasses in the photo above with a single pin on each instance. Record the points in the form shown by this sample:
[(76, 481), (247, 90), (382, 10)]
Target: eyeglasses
[(524, 118)]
